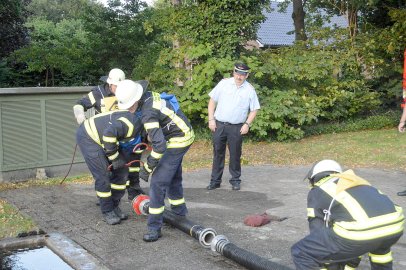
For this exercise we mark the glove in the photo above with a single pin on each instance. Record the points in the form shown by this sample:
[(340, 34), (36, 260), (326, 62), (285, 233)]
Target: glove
[(144, 174), (152, 162), (79, 112), (118, 163)]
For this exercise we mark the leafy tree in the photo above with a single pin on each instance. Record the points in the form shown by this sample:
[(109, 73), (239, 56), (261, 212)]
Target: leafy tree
[(12, 31), (55, 47), (58, 10), (117, 36)]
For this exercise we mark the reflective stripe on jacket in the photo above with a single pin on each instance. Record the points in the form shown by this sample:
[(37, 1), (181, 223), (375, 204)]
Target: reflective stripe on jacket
[(165, 128), (107, 129)]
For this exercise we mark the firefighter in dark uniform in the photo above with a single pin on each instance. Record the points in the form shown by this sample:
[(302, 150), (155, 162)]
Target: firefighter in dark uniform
[(171, 135), (102, 99), (347, 218), (98, 138)]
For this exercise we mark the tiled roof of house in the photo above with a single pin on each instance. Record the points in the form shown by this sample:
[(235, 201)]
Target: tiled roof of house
[(278, 28)]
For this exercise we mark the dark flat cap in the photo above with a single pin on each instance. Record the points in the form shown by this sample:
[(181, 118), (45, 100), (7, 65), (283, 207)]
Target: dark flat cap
[(241, 68)]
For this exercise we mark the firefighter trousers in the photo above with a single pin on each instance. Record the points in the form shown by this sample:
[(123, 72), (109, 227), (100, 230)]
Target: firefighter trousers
[(166, 180), (323, 249), (109, 185), (133, 183)]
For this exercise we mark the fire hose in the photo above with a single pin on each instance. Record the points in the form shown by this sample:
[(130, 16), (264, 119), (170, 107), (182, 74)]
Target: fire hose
[(208, 238), (243, 257), (202, 234)]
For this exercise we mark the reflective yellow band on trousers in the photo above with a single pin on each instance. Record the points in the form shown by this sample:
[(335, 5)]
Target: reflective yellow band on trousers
[(176, 202), (103, 194), (385, 258), (118, 187), (349, 268), (134, 169), (156, 211), (156, 155)]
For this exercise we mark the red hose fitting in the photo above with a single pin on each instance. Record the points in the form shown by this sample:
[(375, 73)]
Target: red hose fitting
[(140, 204)]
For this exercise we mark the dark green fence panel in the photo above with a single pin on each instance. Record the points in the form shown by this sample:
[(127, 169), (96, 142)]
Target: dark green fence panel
[(37, 129)]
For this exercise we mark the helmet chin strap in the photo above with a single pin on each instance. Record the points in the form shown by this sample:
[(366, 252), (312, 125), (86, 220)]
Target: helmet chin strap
[(320, 176)]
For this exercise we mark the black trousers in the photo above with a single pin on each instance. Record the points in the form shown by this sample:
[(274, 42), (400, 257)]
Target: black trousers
[(322, 247), (166, 180), (97, 162), (226, 134), (133, 184)]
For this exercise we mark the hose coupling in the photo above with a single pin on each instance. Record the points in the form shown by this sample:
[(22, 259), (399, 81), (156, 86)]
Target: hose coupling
[(218, 243)]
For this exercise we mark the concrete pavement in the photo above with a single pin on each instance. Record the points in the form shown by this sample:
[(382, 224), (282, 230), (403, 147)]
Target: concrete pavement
[(70, 209)]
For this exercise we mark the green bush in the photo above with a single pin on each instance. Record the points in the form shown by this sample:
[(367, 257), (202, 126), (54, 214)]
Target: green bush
[(388, 119)]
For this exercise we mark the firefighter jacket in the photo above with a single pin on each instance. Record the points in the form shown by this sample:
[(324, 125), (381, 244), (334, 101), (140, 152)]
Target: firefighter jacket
[(166, 125), (100, 98), (110, 128), (352, 208)]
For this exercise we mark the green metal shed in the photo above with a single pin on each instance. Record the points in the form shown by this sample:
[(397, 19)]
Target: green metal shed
[(38, 131)]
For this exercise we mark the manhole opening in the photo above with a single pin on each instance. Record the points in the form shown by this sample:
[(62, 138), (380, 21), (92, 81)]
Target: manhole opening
[(29, 258)]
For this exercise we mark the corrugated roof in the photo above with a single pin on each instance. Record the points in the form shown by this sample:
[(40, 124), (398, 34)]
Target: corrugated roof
[(278, 28)]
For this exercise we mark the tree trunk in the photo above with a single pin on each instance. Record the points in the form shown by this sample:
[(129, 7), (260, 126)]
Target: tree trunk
[(176, 45), (352, 22), (52, 77), (46, 77), (298, 16)]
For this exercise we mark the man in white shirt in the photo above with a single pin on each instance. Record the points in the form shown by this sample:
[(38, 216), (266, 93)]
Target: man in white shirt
[(232, 108)]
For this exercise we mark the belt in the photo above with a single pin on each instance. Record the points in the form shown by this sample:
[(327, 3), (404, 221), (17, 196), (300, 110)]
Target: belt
[(227, 123)]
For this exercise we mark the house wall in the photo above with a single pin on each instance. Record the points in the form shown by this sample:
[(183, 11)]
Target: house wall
[(37, 132)]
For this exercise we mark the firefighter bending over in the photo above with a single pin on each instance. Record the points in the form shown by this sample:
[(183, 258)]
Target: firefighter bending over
[(98, 138), (171, 135), (102, 98), (347, 218)]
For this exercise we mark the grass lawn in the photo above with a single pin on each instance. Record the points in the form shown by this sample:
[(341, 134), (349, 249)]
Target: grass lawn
[(382, 149)]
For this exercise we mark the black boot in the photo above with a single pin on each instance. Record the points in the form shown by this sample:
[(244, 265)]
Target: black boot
[(134, 192), (402, 193), (152, 235), (120, 213), (111, 218)]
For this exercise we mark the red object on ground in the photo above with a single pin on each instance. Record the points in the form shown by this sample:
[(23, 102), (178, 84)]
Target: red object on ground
[(257, 220)]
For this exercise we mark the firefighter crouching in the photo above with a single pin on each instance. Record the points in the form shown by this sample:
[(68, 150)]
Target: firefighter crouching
[(102, 98), (98, 138), (347, 218), (171, 135)]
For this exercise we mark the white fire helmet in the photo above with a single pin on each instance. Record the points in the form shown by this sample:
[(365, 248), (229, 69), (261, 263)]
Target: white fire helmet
[(127, 93), (322, 169), (116, 75)]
